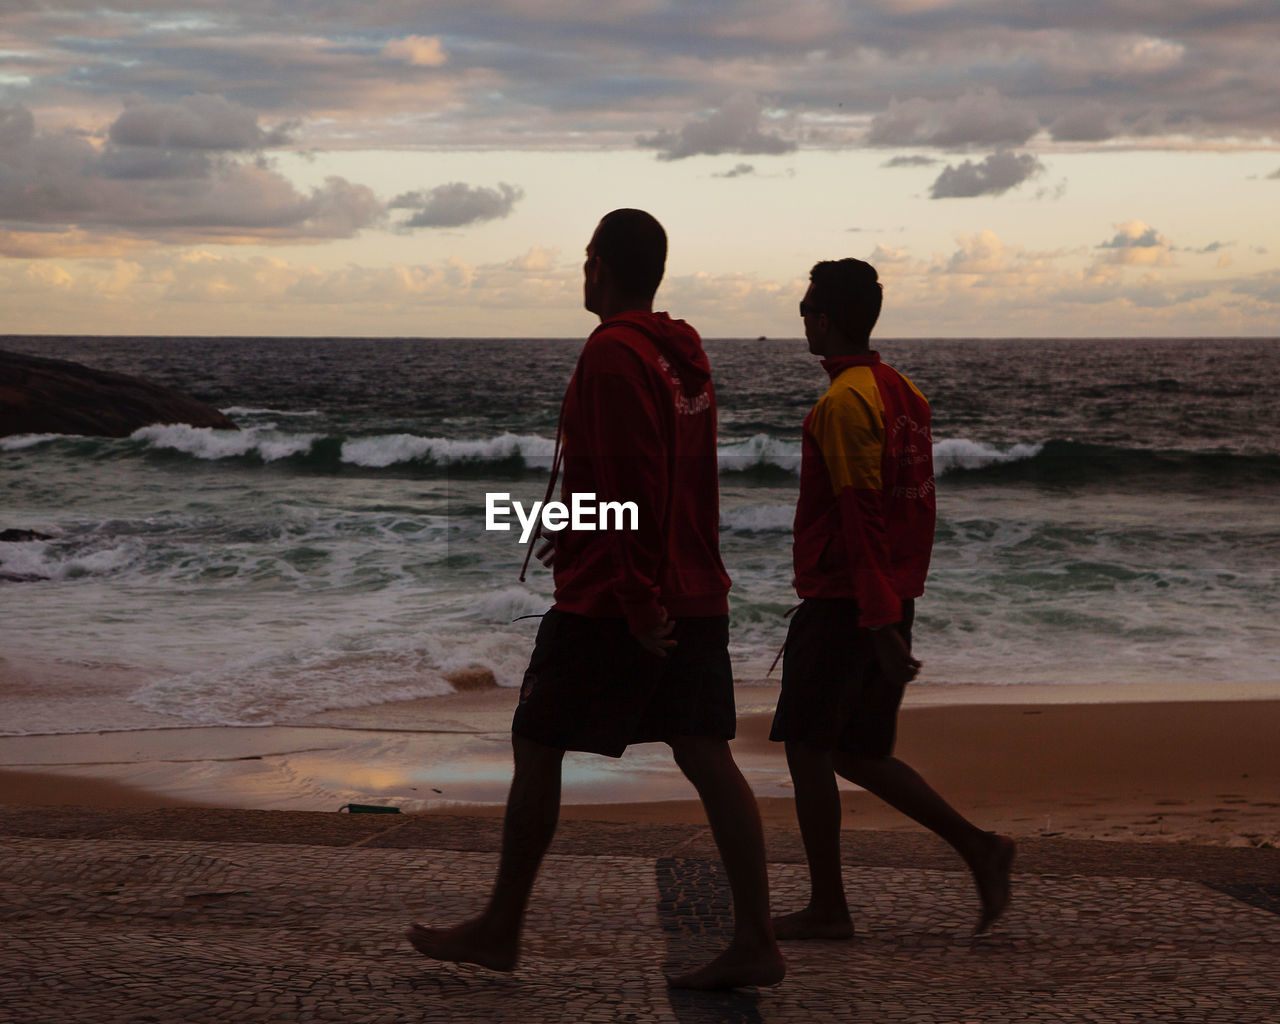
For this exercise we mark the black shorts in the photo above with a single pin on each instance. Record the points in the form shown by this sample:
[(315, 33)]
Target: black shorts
[(833, 694), (590, 686)]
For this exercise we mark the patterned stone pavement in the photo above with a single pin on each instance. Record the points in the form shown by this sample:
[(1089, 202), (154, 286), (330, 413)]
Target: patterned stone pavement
[(177, 929)]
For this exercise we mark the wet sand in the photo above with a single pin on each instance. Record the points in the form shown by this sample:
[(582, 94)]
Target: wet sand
[(1079, 763)]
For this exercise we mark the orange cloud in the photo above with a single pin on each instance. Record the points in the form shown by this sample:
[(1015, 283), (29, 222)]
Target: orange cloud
[(422, 51)]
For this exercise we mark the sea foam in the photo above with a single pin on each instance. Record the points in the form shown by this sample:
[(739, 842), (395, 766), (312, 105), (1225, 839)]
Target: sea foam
[(18, 442), (52, 560), (392, 449), (207, 443), (958, 453), (757, 451), (758, 518)]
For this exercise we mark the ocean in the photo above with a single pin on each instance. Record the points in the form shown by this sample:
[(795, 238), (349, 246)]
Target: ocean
[(1109, 512)]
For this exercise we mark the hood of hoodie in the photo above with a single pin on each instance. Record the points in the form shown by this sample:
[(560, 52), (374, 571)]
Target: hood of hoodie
[(678, 343)]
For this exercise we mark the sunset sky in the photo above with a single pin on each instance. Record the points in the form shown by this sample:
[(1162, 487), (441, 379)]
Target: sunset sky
[(395, 168)]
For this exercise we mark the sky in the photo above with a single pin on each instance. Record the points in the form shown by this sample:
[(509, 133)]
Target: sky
[(1013, 168)]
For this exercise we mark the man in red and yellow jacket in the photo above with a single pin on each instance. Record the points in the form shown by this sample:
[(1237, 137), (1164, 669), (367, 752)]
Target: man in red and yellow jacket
[(863, 535)]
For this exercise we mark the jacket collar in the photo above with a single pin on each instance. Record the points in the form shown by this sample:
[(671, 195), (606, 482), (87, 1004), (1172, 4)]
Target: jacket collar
[(839, 364)]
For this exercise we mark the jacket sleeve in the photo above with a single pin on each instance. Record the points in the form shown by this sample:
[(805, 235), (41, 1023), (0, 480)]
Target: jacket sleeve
[(850, 435), (629, 464)]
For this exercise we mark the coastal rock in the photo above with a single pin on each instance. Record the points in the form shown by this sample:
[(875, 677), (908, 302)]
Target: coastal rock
[(54, 396), (473, 677), (22, 536)]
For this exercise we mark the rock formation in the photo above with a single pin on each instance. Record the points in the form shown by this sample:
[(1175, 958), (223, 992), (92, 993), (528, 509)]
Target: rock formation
[(54, 396)]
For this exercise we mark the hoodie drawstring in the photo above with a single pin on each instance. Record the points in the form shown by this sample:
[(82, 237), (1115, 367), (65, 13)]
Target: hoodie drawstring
[(551, 484), (778, 656)]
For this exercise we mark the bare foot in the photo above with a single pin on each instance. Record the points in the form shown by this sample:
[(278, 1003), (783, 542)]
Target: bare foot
[(467, 943), (736, 967), (991, 875), (811, 924)]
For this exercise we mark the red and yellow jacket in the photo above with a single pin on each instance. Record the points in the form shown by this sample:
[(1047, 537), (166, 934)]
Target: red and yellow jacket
[(865, 519)]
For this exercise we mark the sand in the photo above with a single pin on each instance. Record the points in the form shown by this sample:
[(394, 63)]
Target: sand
[(1082, 763)]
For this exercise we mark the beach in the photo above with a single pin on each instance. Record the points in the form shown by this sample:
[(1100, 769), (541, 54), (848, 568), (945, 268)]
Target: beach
[(139, 888), (1143, 764)]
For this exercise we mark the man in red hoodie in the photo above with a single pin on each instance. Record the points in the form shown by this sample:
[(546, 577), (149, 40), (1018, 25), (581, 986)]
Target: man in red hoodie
[(863, 536), (635, 649)]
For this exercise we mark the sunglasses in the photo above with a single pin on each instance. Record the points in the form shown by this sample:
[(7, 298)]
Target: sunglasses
[(808, 310)]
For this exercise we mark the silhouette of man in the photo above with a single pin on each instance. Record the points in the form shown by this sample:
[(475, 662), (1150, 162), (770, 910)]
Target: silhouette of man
[(863, 537), (635, 648)]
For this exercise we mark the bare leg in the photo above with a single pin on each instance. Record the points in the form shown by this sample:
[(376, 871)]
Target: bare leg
[(753, 957), (989, 856), (533, 807), (818, 810)]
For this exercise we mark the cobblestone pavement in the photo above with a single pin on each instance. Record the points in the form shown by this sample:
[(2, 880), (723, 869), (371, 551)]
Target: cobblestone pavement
[(179, 930)]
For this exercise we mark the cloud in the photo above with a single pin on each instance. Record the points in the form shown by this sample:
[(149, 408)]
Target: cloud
[(799, 23), (1090, 122), (1137, 244), (889, 255), (979, 118), (537, 259), (72, 243), (984, 260), (910, 161), (984, 280), (422, 51), (981, 253), (1152, 54), (1263, 287), (209, 279), (1054, 191), (733, 297), (256, 283), (456, 204), (1134, 235), (734, 128), (737, 171), (194, 122), (993, 176), (561, 72), (141, 163), (60, 181), (17, 127), (980, 286), (178, 179)]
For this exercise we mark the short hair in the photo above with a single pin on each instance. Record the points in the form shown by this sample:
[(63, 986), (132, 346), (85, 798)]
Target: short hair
[(850, 293), (633, 245)]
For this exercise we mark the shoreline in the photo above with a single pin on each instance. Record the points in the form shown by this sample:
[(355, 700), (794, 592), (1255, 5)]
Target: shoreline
[(1157, 769)]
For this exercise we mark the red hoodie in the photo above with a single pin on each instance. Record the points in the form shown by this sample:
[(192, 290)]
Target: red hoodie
[(865, 519), (639, 424)]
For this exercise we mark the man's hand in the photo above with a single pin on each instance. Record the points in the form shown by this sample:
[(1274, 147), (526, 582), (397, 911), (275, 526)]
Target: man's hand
[(546, 553), (657, 641), (896, 662)]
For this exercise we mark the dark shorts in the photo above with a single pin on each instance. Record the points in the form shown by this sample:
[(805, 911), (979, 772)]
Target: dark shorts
[(833, 694), (590, 686)]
